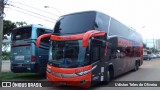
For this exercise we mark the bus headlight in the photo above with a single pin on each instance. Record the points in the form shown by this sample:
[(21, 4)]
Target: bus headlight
[(83, 73), (86, 72), (48, 70)]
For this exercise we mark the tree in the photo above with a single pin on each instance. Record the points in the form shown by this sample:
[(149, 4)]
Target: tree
[(7, 27), (5, 46), (154, 50), (20, 24)]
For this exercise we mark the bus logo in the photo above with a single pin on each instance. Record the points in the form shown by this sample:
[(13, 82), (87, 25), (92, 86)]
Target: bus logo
[(6, 84)]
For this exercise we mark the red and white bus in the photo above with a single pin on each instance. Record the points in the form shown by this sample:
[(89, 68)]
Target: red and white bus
[(91, 47)]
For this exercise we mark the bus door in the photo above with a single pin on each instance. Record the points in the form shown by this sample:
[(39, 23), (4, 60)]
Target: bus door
[(98, 55)]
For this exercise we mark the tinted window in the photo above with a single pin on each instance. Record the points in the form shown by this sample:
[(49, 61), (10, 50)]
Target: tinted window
[(21, 33), (135, 36), (96, 50), (69, 54), (41, 31), (117, 28), (75, 23), (114, 27), (45, 40), (102, 22)]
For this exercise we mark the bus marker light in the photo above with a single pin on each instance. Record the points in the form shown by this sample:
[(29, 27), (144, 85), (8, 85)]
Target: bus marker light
[(28, 68), (33, 58)]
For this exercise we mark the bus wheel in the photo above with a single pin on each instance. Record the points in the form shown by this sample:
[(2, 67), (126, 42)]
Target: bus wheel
[(108, 76), (136, 67)]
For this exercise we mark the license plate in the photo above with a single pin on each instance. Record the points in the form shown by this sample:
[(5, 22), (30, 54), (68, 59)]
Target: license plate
[(19, 57), (19, 65), (63, 83)]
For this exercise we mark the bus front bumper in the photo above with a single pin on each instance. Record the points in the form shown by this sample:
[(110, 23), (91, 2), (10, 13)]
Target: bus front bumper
[(80, 81), (22, 68)]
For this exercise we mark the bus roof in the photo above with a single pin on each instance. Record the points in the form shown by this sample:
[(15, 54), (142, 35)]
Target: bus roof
[(33, 25), (102, 16)]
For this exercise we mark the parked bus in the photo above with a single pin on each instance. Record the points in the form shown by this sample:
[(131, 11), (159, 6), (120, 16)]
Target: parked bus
[(25, 56), (91, 47)]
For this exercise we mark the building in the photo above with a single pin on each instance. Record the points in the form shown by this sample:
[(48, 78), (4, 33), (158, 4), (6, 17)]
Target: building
[(157, 44)]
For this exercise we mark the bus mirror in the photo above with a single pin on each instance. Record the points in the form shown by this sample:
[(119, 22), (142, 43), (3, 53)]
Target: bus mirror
[(41, 37), (89, 34)]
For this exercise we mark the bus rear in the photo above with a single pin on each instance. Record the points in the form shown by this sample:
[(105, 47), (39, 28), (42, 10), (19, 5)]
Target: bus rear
[(25, 57)]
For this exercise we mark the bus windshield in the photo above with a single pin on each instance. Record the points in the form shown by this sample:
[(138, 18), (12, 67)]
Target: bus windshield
[(21, 33), (69, 54), (75, 23)]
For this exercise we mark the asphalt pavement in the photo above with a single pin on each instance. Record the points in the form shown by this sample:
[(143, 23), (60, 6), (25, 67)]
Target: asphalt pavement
[(149, 71)]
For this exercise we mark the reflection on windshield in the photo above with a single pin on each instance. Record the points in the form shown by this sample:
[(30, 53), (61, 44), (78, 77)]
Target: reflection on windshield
[(75, 23), (69, 54)]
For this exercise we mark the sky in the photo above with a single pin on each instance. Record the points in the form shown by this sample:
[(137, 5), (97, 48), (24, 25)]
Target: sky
[(143, 15)]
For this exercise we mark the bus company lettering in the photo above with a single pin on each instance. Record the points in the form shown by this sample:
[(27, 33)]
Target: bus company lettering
[(121, 84)]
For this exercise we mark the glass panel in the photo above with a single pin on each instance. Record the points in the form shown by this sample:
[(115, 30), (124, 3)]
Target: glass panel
[(75, 23), (69, 54), (21, 33)]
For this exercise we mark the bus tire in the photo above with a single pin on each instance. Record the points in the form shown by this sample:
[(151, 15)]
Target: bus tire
[(136, 66), (108, 77)]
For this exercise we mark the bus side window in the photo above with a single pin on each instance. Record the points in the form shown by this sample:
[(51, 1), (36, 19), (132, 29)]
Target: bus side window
[(41, 31), (96, 52)]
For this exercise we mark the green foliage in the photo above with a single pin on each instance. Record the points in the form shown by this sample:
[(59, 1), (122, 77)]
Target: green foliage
[(6, 53), (20, 24), (9, 25), (5, 56), (15, 76)]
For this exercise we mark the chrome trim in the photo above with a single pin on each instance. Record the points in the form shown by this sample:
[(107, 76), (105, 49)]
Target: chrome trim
[(61, 75)]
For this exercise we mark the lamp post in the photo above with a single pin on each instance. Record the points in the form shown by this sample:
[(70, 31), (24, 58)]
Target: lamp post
[(1, 29), (54, 9)]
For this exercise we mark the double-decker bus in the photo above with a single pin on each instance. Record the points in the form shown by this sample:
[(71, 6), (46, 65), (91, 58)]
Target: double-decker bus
[(25, 56), (91, 47)]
